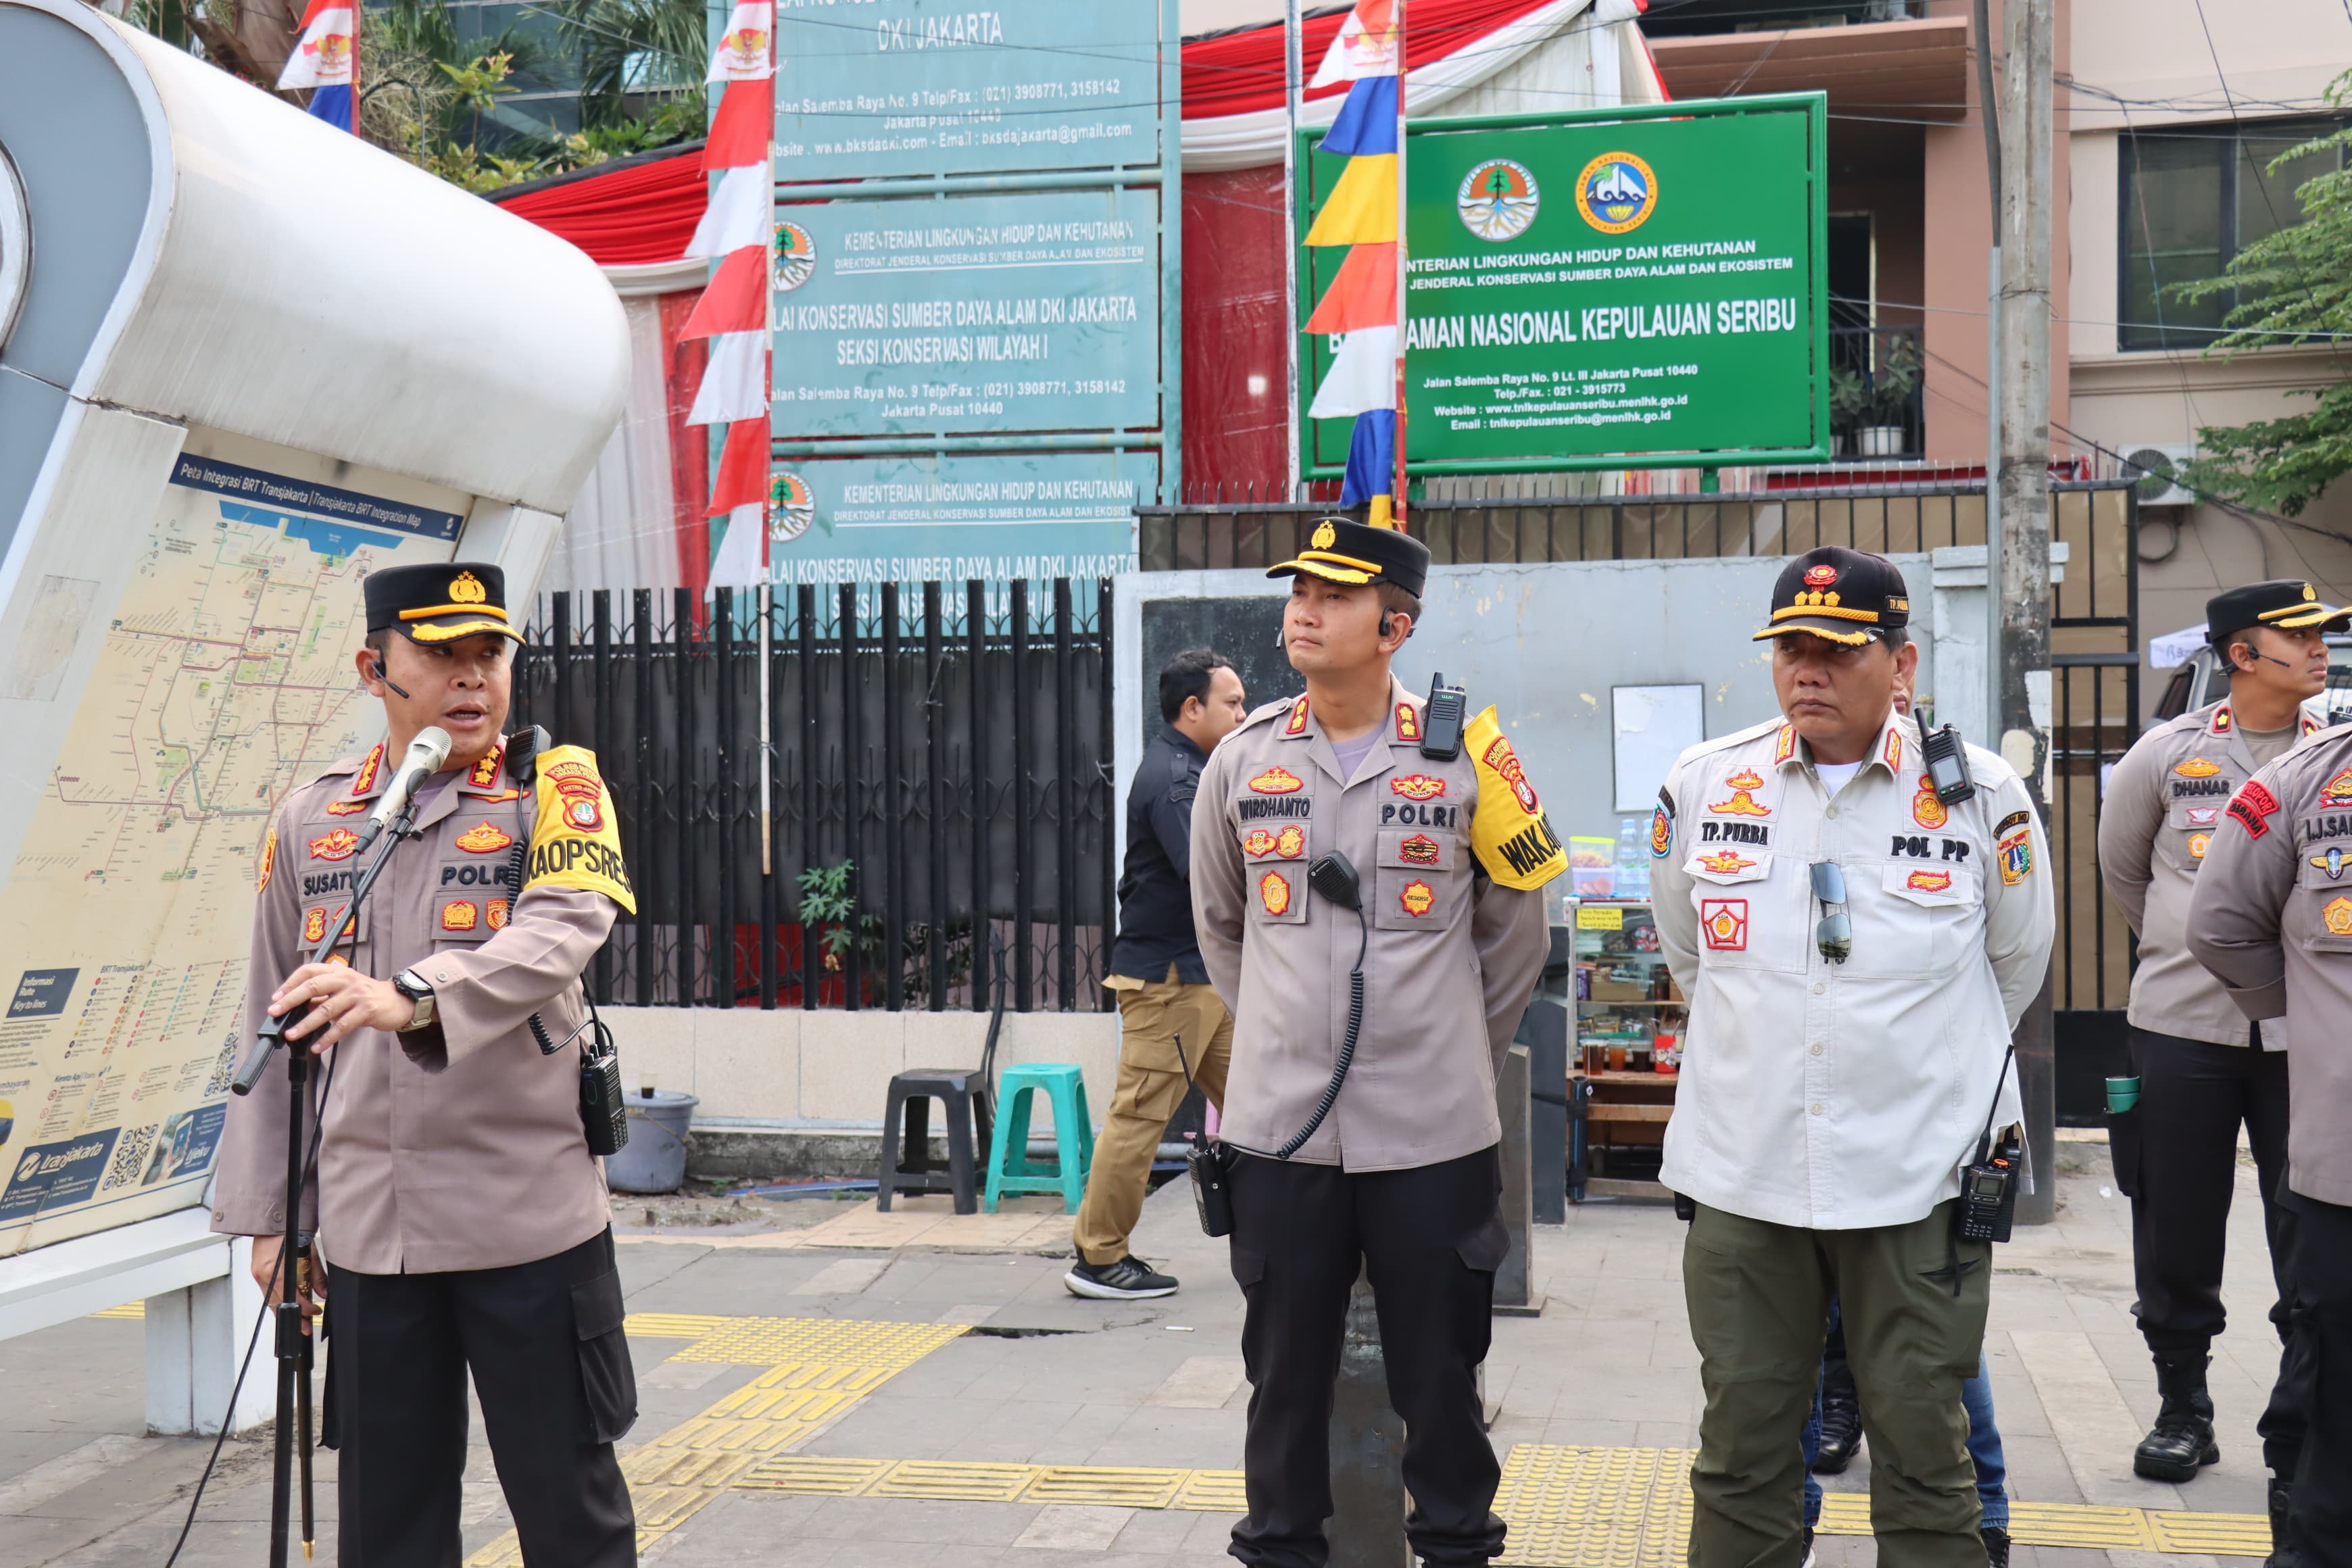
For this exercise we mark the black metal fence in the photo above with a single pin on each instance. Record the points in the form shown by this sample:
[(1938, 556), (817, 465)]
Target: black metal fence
[(832, 797)]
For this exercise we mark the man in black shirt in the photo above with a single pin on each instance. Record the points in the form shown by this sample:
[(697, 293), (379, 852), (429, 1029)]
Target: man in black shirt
[(1170, 1017)]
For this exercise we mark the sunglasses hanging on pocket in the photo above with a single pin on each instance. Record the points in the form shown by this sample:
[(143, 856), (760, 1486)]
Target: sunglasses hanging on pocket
[(1834, 935)]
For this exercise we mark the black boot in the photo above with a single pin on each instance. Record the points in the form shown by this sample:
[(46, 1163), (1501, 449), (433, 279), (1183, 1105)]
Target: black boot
[(1996, 1545), (2182, 1439), (2285, 1553), (1840, 1421)]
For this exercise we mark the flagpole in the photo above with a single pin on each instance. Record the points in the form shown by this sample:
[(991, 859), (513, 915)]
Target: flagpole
[(1398, 503), (1292, 74)]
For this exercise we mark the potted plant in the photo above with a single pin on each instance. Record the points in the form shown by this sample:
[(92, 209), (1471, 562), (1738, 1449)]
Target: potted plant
[(1886, 415)]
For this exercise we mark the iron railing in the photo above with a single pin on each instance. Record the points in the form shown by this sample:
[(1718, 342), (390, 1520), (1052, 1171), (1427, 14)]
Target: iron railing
[(823, 794)]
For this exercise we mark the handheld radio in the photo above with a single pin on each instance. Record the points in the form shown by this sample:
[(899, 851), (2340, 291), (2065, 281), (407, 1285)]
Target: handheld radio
[(1947, 765), (1441, 725)]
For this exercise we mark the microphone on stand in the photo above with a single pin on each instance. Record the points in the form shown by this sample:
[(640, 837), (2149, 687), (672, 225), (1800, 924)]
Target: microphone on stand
[(426, 755)]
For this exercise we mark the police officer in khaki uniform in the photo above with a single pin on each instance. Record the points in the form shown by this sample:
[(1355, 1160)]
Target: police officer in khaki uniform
[(2203, 1071), (462, 1225), (2271, 917), (1401, 1175)]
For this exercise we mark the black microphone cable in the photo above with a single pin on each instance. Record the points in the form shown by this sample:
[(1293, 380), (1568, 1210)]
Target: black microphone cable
[(1346, 1042)]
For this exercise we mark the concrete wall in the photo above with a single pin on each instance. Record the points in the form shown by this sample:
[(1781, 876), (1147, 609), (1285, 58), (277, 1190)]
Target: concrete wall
[(792, 1069)]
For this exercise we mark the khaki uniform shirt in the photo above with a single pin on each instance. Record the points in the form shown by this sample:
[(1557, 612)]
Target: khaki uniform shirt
[(2163, 804), (2271, 917), (1454, 954), (1839, 1096), (456, 1146)]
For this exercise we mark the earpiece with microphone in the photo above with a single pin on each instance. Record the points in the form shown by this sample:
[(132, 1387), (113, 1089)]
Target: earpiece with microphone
[(379, 674)]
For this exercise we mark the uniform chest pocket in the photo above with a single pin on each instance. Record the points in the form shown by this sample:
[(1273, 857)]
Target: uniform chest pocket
[(1275, 833), (326, 865), (2191, 824), (1417, 879), (2325, 877), (1748, 917), (1912, 920)]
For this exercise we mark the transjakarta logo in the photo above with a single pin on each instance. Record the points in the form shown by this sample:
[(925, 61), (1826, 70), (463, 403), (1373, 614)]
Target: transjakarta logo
[(38, 1164)]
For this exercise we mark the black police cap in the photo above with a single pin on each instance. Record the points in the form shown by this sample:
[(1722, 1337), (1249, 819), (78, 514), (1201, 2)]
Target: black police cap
[(2288, 602), (1339, 551), (1839, 593), (439, 603)]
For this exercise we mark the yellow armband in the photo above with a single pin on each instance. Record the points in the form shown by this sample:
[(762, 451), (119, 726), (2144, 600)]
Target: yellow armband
[(576, 842), (1508, 834)]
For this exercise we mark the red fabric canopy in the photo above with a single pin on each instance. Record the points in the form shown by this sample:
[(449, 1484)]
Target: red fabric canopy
[(1236, 73), (627, 216)]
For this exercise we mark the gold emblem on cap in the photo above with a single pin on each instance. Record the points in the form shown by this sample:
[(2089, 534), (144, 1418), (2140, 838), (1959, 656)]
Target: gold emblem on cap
[(2308, 593), (1325, 535), (467, 589)]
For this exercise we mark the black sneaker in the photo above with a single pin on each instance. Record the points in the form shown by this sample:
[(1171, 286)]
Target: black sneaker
[(1128, 1279), (1996, 1545), (1811, 1560)]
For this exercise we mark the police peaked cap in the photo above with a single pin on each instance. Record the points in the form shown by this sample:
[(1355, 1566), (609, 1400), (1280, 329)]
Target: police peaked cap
[(1339, 551), (439, 603), (1839, 593), (2288, 602)]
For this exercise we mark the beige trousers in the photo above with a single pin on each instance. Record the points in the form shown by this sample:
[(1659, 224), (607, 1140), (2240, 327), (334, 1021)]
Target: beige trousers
[(1153, 1015)]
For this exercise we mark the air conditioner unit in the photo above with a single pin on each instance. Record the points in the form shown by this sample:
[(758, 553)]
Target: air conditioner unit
[(2152, 465)]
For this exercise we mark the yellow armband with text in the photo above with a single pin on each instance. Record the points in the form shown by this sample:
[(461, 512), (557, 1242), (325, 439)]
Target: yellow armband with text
[(576, 842), (1508, 834)]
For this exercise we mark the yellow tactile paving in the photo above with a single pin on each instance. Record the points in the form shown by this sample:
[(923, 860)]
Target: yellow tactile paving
[(816, 1369), (1567, 1507), (127, 1310)]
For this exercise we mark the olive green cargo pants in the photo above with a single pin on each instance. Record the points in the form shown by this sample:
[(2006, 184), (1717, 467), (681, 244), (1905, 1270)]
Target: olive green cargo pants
[(1758, 1296)]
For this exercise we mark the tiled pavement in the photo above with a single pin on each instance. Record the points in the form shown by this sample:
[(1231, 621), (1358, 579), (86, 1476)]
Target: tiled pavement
[(1050, 1380)]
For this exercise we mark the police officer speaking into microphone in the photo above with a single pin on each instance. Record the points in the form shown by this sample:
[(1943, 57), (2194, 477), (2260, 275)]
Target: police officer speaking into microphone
[(460, 1224), (2204, 1069), (1365, 874)]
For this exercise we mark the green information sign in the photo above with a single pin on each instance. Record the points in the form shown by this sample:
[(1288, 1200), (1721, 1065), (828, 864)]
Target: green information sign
[(1634, 287)]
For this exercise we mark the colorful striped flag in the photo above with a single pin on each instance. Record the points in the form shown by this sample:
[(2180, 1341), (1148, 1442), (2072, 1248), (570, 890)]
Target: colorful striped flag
[(326, 59)]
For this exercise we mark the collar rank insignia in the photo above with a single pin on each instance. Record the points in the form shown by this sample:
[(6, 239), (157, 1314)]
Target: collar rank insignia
[(1276, 781), (1742, 786), (2332, 862), (1417, 898), (1926, 809), (1298, 722), (2338, 916), (364, 780), (1786, 746), (2310, 724), (2197, 768), (1416, 786), (1929, 881), (2221, 720), (485, 774), (1273, 892), (1420, 849), (1893, 750), (335, 846), (1408, 722), (2337, 791), (1726, 862), (485, 838)]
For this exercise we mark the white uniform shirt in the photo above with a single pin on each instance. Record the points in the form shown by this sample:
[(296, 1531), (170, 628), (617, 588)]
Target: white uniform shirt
[(1840, 1096)]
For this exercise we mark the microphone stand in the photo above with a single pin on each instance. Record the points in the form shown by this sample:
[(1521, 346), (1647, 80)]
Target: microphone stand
[(292, 1345)]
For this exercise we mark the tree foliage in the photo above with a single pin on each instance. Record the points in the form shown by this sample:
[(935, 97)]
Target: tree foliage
[(2292, 286)]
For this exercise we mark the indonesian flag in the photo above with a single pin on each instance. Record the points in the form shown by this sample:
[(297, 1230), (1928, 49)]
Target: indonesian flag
[(1366, 45), (743, 54), (326, 60)]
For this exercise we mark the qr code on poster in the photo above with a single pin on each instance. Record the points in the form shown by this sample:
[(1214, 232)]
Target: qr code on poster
[(131, 1154), (222, 1070)]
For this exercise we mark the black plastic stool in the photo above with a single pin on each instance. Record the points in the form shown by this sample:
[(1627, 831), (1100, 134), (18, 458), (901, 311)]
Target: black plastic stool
[(907, 1164)]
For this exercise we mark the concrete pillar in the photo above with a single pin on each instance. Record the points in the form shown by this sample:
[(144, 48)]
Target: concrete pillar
[(196, 1340), (1514, 1281), (1368, 1503)]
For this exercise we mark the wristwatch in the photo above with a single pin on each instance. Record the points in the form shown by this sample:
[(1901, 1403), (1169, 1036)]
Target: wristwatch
[(409, 985)]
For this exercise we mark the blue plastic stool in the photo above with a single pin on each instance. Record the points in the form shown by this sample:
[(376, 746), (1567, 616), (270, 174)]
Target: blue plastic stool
[(1009, 1169)]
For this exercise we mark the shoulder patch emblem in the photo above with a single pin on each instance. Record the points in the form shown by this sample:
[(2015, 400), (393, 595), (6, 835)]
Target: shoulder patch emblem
[(335, 846), (269, 861), (582, 791), (1742, 786), (1416, 786), (1726, 862), (346, 807), (2016, 857), (1662, 832), (1420, 849), (1499, 756), (458, 914), (1929, 881), (1276, 781), (2016, 819), (2197, 768), (2337, 791), (484, 838), (1297, 723), (2253, 807), (574, 842), (1509, 834), (1925, 809), (2338, 916), (1273, 892), (1408, 722), (1417, 898)]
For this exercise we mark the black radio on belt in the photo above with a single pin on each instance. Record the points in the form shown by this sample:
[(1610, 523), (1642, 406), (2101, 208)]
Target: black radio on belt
[(1988, 1194), (1441, 724)]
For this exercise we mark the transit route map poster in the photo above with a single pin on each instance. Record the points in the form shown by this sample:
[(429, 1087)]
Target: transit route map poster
[(1606, 290), (224, 680)]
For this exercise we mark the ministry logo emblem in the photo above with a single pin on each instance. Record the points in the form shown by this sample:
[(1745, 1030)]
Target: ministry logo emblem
[(1498, 199)]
